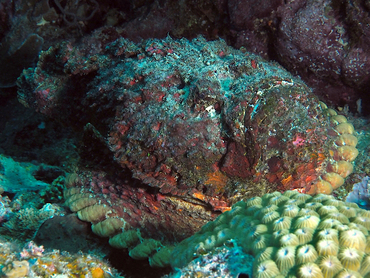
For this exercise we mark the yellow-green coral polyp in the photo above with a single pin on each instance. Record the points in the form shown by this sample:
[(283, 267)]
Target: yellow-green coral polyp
[(291, 235)]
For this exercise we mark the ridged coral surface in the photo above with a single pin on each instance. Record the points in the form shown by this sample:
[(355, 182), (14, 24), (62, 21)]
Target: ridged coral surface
[(290, 234)]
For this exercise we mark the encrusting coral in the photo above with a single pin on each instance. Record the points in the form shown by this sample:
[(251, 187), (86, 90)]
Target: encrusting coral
[(290, 235)]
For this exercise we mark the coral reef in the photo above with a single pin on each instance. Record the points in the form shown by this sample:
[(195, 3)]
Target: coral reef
[(16, 177), (252, 23), (289, 234), (19, 177), (362, 162), (21, 39), (198, 124), (175, 132), (324, 42), (33, 261), (23, 224), (324, 49), (27, 190), (360, 193), (28, 26), (226, 261), (5, 208)]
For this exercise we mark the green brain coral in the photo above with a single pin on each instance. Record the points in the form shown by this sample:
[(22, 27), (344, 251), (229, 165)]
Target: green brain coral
[(290, 235)]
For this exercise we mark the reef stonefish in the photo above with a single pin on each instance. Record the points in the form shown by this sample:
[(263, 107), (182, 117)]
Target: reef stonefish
[(199, 125)]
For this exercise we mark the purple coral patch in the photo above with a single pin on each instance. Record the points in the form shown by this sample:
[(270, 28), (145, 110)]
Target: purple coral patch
[(360, 193)]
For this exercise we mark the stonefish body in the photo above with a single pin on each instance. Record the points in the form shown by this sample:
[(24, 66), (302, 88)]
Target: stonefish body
[(185, 129)]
